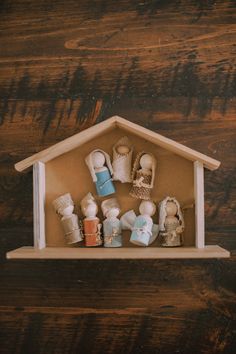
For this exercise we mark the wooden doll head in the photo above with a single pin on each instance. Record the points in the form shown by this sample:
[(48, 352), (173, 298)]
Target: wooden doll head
[(146, 162), (64, 205), (110, 208), (147, 207), (171, 208), (89, 206), (123, 149), (67, 211), (91, 210), (98, 159), (113, 213)]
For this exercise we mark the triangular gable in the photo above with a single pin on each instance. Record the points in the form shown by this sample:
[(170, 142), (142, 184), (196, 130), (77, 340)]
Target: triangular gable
[(100, 128)]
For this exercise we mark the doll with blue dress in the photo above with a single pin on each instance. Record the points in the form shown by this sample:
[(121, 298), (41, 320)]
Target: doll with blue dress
[(143, 224), (100, 167)]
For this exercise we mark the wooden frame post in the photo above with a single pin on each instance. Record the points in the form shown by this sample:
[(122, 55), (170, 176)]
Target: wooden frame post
[(39, 201), (199, 204)]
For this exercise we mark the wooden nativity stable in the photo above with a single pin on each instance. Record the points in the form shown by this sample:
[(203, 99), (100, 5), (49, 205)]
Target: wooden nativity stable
[(61, 169)]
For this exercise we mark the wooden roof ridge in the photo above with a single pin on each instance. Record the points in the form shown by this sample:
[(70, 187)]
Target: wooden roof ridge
[(82, 137)]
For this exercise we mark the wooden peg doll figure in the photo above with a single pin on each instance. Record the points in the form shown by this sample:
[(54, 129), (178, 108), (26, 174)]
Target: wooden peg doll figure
[(111, 225), (171, 223), (143, 176), (64, 206), (122, 160), (143, 224), (101, 174), (127, 223), (91, 223)]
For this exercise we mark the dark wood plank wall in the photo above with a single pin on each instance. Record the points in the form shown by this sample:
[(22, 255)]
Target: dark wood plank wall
[(169, 66)]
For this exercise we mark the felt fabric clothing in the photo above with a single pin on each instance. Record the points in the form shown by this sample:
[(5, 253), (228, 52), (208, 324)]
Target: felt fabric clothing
[(92, 232), (142, 230), (141, 186), (104, 184), (71, 229), (112, 232)]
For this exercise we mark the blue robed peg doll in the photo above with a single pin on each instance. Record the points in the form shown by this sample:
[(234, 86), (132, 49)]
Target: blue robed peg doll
[(99, 164), (130, 221), (143, 224), (111, 225)]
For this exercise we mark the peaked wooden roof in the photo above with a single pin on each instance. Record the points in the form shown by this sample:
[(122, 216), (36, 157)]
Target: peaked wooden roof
[(109, 124)]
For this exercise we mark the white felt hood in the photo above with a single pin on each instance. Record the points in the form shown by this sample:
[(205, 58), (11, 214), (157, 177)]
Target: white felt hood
[(89, 163)]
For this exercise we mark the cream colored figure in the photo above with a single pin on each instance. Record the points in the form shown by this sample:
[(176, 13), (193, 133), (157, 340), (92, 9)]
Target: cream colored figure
[(143, 224), (122, 160), (171, 223), (111, 225), (64, 206), (143, 176), (91, 223)]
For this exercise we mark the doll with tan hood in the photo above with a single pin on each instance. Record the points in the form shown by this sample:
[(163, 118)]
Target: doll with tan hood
[(143, 176)]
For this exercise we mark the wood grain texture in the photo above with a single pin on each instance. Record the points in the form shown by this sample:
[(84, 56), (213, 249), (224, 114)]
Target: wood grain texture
[(122, 253), (169, 66)]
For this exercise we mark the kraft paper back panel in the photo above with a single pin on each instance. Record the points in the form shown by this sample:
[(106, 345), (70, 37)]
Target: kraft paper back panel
[(69, 173)]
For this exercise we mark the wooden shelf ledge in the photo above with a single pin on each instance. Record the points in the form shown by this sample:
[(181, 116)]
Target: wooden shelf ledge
[(118, 253)]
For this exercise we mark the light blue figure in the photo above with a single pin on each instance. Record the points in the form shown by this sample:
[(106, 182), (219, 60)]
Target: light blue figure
[(101, 174), (112, 230), (143, 224)]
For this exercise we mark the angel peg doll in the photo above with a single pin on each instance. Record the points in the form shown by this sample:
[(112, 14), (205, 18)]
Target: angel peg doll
[(111, 225), (143, 224), (64, 206), (99, 165), (127, 223), (143, 176), (91, 223), (171, 223)]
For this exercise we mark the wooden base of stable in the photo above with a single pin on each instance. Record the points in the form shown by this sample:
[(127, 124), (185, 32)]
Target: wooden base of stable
[(118, 253)]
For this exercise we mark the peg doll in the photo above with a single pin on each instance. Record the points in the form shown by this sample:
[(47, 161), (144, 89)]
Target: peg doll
[(64, 206), (91, 223), (127, 223), (111, 225), (143, 176), (171, 223), (101, 174), (122, 160), (143, 224)]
